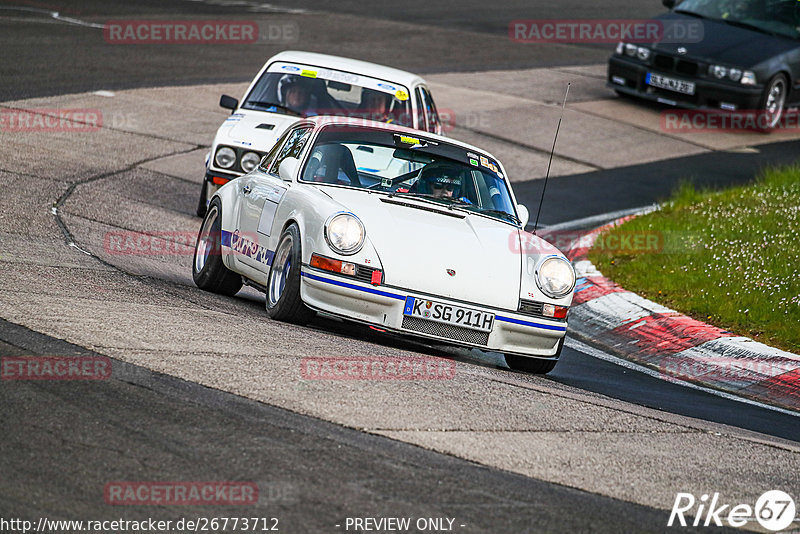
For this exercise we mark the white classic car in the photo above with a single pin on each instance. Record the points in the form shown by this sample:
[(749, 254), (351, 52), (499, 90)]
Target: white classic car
[(302, 84), (407, 232)]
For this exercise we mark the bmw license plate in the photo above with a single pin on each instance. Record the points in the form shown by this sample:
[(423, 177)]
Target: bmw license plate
[(448, 314), (671, 84)]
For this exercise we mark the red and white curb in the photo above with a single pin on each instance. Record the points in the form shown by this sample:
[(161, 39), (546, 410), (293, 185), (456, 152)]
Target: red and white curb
[(677, 347)]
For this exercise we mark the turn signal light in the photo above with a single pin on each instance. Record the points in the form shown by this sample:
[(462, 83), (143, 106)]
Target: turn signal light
[(336, 266), (556, 312)]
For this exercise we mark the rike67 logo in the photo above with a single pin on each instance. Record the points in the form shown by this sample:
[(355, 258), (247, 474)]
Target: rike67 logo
[(774, 510)]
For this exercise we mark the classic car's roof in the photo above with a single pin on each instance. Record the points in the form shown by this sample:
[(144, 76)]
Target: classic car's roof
[(354, 66)]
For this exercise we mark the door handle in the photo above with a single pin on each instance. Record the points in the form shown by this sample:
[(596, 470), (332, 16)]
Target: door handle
[(246, 190)]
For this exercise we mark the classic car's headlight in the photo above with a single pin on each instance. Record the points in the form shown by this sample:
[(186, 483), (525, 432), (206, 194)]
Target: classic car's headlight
[(249, 161), (746, 77), (225, 157), (555, 277), (345, 233)]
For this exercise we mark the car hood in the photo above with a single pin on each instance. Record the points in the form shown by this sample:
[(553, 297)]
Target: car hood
[(254, 129), (727, 44), (419, 245)]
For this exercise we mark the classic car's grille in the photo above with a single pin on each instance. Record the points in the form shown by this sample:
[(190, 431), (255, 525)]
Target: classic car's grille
[(364, 274), (529, 307), (456, 333), (673, 64)]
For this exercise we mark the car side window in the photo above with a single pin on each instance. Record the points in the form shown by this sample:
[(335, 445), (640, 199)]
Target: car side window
[(263, 166), (430, 111), (295, 142), (421, 124)]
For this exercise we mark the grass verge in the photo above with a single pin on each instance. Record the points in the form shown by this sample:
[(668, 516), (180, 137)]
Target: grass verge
[(730, 258)]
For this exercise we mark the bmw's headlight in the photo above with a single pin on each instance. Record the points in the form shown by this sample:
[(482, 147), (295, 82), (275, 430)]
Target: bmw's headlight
[(225, 157), (345, 233), (249, 161), (640, 52), (555, 277), (746, 77)]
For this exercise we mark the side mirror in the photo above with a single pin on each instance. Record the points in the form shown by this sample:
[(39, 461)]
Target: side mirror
[(523, 215), (228, 102), (669, 4), (288, 168)]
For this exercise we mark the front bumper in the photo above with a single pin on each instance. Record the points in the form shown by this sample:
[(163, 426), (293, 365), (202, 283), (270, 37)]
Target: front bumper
[(628, 77), (382, 307)]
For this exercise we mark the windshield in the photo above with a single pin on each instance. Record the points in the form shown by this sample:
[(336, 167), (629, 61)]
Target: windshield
[(306, 91), (409, 166), (780, 17)]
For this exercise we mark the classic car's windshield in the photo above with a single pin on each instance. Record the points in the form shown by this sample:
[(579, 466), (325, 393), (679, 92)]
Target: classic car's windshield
[(307, 91), (409, 166), (781, 17)]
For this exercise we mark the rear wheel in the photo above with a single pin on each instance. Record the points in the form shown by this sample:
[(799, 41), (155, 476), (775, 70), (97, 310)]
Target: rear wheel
[(773, 102), (208, 270), (534, 365), (283, 283)]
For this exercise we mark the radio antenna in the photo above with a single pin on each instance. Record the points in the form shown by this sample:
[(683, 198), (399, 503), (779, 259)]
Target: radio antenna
[(547, 176)]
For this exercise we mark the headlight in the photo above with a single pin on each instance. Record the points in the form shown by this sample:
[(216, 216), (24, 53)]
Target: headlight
[(225, 157), (555, 277), (344, 233), (639, 52), (249, 161), (748, 78)]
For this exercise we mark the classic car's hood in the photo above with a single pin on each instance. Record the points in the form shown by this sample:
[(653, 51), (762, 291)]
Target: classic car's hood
[(727, 44), (418, 246), (256, 129)]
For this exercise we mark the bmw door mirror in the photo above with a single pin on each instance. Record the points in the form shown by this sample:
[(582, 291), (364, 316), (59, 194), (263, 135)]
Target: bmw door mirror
[(522, 211), (669, 4), (228, 102), (288, 168)]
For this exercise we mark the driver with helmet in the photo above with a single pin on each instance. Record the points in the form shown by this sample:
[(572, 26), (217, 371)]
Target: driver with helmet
[(294, 92), (441, 180)]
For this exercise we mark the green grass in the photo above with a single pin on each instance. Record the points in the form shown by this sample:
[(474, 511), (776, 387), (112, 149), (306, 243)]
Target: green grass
[(730, 258)]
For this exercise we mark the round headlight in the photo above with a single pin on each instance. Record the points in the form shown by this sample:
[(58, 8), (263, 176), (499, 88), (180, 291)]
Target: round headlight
[(555, 277), (643, 53), (631, 49), (735, 74), (249, 161), (718, 70), (225, 157), (345, 233)]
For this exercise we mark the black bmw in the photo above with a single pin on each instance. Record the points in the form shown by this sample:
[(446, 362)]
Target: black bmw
[(748, 59)]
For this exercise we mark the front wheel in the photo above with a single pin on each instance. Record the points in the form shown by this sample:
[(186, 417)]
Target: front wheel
[(208, 270), (283, 283), (534, 365), (773, 101)]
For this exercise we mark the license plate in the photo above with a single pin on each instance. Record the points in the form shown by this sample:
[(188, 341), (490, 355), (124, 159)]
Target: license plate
[(671, 84), (448, 314)]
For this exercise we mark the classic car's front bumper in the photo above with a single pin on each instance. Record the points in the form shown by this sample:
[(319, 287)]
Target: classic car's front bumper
[(628, 77), (382, 306)]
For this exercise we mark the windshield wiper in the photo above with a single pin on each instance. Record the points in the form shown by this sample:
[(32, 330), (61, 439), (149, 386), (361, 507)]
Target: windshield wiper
[(265, 104), (741, 24), (502, 213), (690, 13)]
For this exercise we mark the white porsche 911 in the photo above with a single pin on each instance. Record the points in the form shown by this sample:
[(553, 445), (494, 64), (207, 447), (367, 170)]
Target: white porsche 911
[(407, 232), (301, 84)]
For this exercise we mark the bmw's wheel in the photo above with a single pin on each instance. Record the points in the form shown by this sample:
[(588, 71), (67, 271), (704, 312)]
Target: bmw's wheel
[(773, 102), (208, 270), (534, 365), (283, 284), (202, 208)]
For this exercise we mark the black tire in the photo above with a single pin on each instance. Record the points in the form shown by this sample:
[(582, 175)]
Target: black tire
[(773, 102), (201, 205), (283, 283), (534, 365), (208, 271)]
